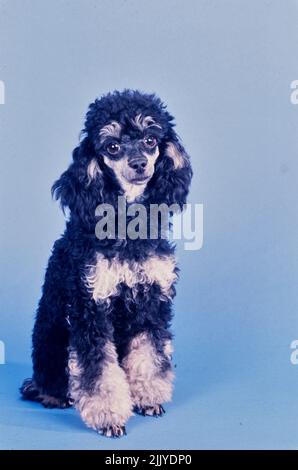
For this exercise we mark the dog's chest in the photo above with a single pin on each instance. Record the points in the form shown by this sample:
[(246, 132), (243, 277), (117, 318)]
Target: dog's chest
[(104, 278)]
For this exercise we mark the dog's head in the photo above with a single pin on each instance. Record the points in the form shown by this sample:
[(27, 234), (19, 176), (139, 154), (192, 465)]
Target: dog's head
[(129, 147)]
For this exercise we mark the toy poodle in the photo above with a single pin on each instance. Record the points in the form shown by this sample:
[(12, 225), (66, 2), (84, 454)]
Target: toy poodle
[(102, 339)]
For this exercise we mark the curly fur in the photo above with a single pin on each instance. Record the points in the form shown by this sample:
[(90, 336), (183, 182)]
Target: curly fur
[(143, 365), (101, 338), (110, 403)]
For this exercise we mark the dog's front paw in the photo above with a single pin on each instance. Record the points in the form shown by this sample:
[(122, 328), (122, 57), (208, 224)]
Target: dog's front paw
[(114, 431), (108, 407), (156, 410)]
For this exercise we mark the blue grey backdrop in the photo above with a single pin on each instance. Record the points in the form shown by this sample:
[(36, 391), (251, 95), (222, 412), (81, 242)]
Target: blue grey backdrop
[(224, 67)]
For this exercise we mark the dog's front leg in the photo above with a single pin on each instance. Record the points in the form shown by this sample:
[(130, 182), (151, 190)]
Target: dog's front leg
[(149, 373), (97, 384)]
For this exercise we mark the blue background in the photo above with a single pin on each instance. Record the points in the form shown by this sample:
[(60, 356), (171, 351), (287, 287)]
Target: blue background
[(224, 68)]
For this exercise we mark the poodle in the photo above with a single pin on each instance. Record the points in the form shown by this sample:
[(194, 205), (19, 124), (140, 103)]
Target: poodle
[(102, 340)]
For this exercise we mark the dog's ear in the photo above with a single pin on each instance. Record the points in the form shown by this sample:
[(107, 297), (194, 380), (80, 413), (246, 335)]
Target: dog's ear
[(80, 187), (173, 173)]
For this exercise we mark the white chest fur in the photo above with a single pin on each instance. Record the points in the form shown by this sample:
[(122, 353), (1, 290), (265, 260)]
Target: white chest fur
[(105, 276)]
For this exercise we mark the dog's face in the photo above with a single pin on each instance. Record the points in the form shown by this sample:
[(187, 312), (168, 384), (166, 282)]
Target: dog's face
[(129, 147), (130, 150)]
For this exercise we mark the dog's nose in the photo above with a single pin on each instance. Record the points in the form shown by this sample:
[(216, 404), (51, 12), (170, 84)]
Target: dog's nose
[(138, 164)]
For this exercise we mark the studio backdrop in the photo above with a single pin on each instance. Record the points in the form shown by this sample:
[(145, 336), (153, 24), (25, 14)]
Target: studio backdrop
[(228, 72)]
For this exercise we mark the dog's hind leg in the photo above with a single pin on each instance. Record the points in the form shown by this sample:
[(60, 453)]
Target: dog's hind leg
[(31, 391), (49, 384)]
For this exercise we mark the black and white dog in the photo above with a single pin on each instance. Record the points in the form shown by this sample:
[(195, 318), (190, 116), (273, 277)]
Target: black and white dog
[(101, 339)]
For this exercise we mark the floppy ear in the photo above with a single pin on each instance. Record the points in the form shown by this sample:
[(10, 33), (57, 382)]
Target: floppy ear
[(173, 174), (80, 187)]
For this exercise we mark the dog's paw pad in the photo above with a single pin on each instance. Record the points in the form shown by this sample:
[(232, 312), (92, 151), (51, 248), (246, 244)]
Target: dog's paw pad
[(114, 431), (156, 410)]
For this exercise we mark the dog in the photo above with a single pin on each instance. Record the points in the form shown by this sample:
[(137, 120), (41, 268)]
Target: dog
[(101, 339)]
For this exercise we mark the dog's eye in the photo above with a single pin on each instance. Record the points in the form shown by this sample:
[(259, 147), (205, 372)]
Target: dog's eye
[(150, 141), (113, 148)]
